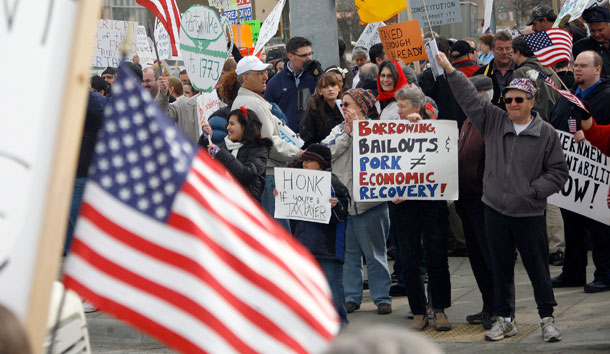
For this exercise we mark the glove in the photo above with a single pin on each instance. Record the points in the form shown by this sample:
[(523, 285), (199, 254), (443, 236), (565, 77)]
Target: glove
[(314, 67), (580, 114)]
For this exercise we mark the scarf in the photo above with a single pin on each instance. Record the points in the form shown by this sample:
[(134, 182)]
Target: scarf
[(402, 81), (232, 146)]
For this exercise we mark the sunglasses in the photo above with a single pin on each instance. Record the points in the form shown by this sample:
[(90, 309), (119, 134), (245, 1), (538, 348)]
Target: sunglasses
[(344, 104), (509, 100)]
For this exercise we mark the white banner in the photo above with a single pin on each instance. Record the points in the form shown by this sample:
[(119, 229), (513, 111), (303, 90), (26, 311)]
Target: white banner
[(269, 27), (403, 160), (303, 195), (487, 19), (586, 190), (164, 45), (440, 12), (109, 40), (370, 35)]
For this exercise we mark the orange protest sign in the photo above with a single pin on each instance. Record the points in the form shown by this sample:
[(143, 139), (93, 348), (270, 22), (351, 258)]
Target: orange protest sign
[(242, 35), (403, 41)]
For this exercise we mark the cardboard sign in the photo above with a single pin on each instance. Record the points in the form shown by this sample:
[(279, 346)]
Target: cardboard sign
[(403, 41), (370, 35), (203, 45), (255, 27), (586, 190), (403, 160), (145, 51), (109, 40), (303, 195), (270, 26), (440, 12), (164, 45)]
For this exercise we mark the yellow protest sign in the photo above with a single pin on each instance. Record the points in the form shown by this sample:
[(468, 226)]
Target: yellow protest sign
[(378, 10), (403, 41)]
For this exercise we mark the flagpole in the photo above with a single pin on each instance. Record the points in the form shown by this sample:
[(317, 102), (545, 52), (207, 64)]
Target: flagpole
[(151, 26)]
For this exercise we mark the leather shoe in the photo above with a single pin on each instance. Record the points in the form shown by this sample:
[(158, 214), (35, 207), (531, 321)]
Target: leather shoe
[(561, 281), (384, 309), (351, 307), (597, 287)]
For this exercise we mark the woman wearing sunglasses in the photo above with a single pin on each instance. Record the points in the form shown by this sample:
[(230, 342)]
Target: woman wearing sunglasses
[(368, 223)]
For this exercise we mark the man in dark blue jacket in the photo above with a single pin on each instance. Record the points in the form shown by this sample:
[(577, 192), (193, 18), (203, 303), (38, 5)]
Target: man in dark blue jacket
[(292, 87)]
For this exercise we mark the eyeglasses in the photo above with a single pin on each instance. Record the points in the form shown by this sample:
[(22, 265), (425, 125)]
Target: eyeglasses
[(386, 76), (344, 104), (310, 54), (509, 100), (580, 66)]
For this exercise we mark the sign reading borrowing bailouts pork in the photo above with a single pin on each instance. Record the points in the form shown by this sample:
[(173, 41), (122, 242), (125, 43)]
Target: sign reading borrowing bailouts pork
[(403, 160)]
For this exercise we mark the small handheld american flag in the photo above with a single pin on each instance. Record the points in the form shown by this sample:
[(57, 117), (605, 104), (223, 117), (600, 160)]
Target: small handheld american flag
[(536, 74)]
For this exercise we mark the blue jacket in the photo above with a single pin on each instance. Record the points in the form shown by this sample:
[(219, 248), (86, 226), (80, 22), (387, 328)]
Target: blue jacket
[(282, 89), (327, 241)]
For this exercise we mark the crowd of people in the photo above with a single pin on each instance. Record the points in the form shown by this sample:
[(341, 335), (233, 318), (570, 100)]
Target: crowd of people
[(510, 161)]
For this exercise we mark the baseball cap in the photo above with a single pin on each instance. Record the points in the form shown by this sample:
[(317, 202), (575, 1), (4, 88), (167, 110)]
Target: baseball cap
[(541, 11), (596, 14), (521, 84), (460, 48), (250, 63)]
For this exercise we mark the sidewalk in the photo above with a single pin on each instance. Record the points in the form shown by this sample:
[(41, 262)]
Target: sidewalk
[(583, 319)]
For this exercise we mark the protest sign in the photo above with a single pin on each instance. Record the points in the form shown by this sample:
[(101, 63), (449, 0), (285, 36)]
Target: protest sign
[(109, 40), (403, 41), (241, 12), (144, 50), (270, 26), (440, 12), (203, 45), (303, 195), (288, 134), (403, 160), (255, 27), (370, 35), (586, 190), (487, 17), (431, 51), (242, 35), (221, 4), (574, 9), (207, 103), (164, 45)]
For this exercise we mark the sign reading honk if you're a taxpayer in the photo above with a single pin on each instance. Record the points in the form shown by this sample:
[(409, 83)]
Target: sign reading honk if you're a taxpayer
[(303, 194)]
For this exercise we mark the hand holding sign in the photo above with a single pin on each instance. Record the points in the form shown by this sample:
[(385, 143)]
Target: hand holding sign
[(303, 195), (444, 63)]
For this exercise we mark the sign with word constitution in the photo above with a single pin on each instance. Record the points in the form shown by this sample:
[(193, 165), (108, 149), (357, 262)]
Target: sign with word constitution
[(586, 190), (440, 12), (303, 195), (403, 41), (403, 160), (204, 47)]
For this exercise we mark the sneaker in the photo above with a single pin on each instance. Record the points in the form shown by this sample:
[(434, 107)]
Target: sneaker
[(441, 322), (550, 332), (351, 307), (419, 323), (384, 309), (478, 318), (500, 330)]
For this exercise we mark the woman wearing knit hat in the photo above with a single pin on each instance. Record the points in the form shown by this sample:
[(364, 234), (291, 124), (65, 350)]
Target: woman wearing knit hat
[(368, 223)]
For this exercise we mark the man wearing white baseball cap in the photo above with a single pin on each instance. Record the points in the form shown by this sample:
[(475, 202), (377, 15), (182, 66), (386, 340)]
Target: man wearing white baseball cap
[(252, 75)]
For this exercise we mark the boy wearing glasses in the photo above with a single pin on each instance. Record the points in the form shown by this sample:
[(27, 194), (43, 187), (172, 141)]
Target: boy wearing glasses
[(524, 164), (292, 87)]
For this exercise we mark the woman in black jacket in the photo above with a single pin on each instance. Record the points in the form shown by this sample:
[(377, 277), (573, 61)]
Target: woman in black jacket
[(243, 152), (322, 113)]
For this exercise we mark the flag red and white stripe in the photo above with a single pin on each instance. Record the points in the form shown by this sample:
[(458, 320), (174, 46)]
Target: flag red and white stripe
[(216, 274), (565, 93), (550, 46), (169, 15)]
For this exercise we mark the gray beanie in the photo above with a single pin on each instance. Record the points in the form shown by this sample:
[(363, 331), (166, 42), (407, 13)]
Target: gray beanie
[(481, 82)]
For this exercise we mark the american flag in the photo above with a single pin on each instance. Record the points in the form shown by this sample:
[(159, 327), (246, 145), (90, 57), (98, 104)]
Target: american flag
[(169, 243), (537, 74), (169, 15), (550, 46)]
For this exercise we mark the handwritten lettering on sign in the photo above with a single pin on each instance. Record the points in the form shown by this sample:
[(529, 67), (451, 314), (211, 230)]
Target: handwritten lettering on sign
[(586, 190), (404, 160), (109, 41), (303, 195), (403, 41), (370, 35)]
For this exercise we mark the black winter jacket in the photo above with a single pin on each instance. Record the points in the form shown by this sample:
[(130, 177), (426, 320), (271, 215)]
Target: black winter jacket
[(598, 105), (311, 131), (327, 241), (440, 92)]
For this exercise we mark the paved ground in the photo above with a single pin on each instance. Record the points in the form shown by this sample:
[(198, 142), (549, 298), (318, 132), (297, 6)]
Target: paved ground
[(582, 317)]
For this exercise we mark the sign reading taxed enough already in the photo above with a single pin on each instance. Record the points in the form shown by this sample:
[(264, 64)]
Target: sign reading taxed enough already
[(403, 160)]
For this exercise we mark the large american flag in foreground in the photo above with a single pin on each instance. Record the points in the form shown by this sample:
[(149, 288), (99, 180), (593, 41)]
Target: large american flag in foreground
[(169, 15), (550, 46), (169, 243)]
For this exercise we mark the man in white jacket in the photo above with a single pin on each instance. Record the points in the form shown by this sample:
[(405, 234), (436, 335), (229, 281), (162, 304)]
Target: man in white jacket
[(252, 75)]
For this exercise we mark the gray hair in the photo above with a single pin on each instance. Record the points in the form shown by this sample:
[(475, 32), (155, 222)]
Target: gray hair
[(361, 52), (413, 94), (368, 72), (240, 78)]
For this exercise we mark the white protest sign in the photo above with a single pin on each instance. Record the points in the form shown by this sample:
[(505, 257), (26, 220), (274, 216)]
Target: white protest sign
[(574, 8), (403, 160), (207, 103), (288, 134), (221, 4), (440, 12), (487, 18), (109, 41), (431, 51), (164, 44), (203, 45), (370, 35), (270, 26), (303, 195), (144, 50), (586, 190)]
